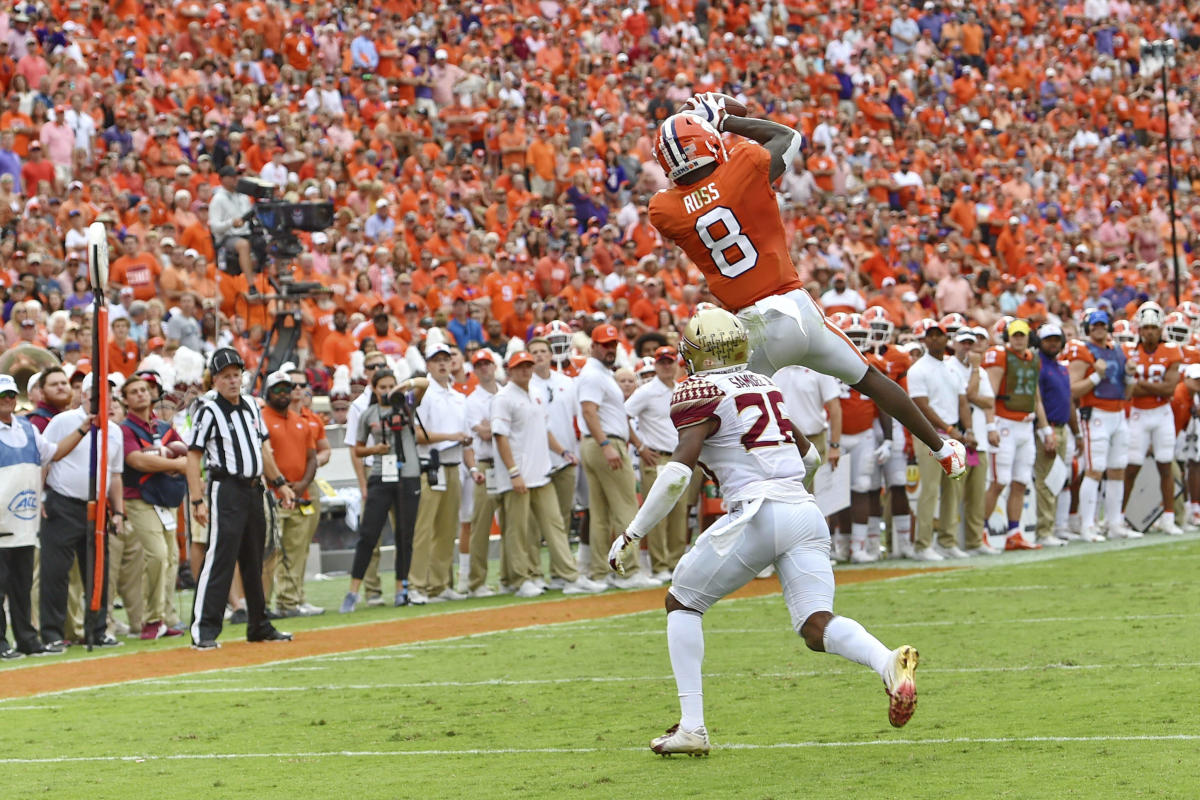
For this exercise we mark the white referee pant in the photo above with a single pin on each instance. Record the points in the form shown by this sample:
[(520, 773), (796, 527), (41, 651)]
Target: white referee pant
[(1151, 429)]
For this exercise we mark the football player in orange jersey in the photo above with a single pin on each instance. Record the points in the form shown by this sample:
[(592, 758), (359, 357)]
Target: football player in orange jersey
[(895, 468), (722, 212), (867, 452), (1099, 382), (1154, 368)]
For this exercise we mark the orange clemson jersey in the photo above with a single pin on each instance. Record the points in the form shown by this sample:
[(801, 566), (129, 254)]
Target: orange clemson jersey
[(1152, 367), (896, 364), (858, 410), (729, 226)]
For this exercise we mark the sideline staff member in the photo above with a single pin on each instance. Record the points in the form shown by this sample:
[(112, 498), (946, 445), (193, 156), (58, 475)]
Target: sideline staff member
[(229, 432)]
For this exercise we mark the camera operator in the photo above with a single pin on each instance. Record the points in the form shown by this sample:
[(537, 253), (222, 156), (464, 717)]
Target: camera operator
[(385, 432), (228, 218)]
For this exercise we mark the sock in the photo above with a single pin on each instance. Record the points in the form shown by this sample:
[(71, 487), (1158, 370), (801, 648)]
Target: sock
[(464, 568), (1073, 521), (873, 535), (1062, 509), (685, 644), (901, 532), (583, 558), (1089, 495), (846, 638), (1014, 526), (841, 544), (1114, 493), (1168, 519), (858, 537)]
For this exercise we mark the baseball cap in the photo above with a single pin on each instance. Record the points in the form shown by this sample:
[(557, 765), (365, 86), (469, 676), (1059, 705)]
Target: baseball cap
[(605, 334), (155, 342), (276, 378), (319, 238), (436, 350), (1018, 327), (889, 281), (227, 172), (115, 379), (7, 384), (1048, 330), (964, 335), (225, 357), (482, 355), (518, 358), (665, 353)]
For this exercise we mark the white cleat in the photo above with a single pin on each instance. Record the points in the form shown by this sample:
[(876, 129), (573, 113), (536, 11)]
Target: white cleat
[(638, 580), (1051, 541), (1119, 530), (984, 549), (691, 743), (900, 682), (863, 557), (484, 591), (528, 590), (928, 554), (1169, 530), (583, 586), (954, 551), (1091, 535), (1067, 535)]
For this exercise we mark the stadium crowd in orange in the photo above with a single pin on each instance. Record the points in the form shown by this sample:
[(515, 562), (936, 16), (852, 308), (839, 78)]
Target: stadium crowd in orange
[(494, 162)]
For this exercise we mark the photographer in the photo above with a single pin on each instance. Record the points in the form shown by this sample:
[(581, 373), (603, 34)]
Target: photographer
[(382, 429), (228, 218)]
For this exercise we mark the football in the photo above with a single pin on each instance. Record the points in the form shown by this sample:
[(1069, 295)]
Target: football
[(176, 448), (733, 106)]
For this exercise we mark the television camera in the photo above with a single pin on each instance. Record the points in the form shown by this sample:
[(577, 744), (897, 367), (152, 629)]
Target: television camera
[(400, 416), (273, 222)]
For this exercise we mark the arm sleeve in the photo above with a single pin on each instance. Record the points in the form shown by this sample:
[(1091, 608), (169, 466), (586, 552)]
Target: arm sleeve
[(672, 482)]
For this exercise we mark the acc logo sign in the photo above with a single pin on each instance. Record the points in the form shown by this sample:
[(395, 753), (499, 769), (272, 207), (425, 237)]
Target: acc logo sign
[(24, 506)]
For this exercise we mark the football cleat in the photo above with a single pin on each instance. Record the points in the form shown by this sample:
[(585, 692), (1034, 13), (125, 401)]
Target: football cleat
[(1016, 541), (955, 464), (901, 686), (691, 743)]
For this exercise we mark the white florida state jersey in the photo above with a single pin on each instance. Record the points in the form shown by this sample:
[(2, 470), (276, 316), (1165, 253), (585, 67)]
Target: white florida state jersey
[(752, 453)]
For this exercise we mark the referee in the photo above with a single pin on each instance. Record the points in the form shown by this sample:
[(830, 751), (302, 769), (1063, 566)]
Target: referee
[(229, 433)]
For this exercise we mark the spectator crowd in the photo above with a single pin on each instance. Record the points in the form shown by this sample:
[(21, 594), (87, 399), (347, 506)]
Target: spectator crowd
[(982, 197)]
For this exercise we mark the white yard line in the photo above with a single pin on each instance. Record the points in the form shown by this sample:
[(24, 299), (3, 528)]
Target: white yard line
[(502, 751)]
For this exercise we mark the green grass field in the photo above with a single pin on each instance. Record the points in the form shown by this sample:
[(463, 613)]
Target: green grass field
[(1061, 678)]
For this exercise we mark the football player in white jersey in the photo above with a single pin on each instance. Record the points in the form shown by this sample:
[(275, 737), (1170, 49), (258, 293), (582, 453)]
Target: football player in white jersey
[(733, 422)]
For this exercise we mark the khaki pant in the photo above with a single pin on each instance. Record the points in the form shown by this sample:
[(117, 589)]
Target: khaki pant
[(126, 576), (938, 493), (818, 441), (1047, 503), (666, 540), (540, 504), (974, 491), (73, 626), (159, 552), (435, 535), (563, 482), (612, 503), (484, 510), (296, 531)]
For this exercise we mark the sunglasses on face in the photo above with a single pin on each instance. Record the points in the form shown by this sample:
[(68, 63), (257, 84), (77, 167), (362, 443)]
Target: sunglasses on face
[(374, 366), (7, 395), (281, 388)]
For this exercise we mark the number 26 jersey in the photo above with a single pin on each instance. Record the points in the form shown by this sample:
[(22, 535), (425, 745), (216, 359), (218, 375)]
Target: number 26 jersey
[(729, 226), (752, 453)]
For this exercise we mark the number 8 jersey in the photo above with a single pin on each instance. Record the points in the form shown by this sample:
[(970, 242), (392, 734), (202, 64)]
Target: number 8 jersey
[(752, 453), (729, 225)]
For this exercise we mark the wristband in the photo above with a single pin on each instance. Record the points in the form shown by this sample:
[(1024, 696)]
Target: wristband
[(82, 431), (565, 453), (991, 427), (605, 443), (278, 482), (1045, 431), (1095, 378), (514, 471), (836, 445), (197, 502), (475, 469)]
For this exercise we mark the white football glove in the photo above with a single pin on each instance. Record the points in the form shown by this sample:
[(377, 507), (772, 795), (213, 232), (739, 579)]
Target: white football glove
[(708, 107), (883, 452), (617, 551)]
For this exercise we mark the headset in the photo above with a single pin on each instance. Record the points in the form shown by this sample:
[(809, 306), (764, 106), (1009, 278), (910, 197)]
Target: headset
[(1095, 315)]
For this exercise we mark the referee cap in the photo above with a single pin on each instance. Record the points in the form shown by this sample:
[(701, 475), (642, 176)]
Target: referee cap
[(225, 357)]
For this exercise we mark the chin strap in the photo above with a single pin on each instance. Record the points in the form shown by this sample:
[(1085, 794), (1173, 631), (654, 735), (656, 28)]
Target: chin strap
[(672, 482)]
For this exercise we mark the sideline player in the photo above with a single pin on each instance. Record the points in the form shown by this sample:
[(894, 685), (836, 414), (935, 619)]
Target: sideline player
[(1154, 366), (733, 421), (722, 212)]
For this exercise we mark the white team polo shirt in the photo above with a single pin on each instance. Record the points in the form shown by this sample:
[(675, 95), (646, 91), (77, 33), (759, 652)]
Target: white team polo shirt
[(596, 384)]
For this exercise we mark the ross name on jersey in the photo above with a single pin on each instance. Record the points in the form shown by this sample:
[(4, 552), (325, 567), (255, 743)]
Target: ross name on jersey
[(698, 198)]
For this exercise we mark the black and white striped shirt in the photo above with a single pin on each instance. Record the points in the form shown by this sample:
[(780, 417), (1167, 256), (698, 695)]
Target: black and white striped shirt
[(231, 437)]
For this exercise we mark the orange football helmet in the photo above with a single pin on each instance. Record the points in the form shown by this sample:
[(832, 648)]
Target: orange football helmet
[(1123, 332), (686, 143), (881, 328), (1176, 328)]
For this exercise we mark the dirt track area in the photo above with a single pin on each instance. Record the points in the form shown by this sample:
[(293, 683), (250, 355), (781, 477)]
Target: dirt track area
[(54, 677)]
